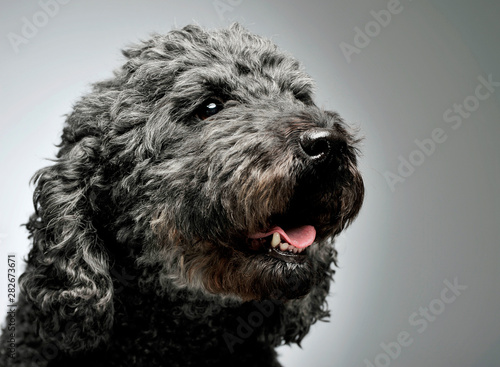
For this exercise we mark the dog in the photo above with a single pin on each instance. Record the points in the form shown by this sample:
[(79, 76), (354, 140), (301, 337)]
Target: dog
[(190, 215)]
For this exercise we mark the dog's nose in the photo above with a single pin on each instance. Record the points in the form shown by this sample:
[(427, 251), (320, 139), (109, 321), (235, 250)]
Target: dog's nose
[(321, 145)]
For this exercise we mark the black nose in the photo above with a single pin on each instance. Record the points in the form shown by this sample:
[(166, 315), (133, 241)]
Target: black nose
[(321, 145)]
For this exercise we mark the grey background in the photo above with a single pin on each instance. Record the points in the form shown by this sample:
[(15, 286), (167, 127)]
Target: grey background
[(441, 223)]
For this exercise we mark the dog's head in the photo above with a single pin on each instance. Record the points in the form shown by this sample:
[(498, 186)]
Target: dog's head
[(207, 159)]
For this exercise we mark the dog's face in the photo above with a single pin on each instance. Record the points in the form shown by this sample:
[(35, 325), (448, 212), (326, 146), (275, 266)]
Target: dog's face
[(238, 179), (205, 167)]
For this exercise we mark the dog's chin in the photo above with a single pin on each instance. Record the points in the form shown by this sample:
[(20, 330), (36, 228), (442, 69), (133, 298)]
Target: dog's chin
[(286, 271), (281, 261), (284, 276), (264, 273)]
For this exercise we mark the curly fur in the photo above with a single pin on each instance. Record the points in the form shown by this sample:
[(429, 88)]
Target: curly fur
[(140, 251)]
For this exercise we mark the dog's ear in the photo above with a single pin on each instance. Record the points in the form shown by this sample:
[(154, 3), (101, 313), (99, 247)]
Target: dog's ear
[(67, 278)]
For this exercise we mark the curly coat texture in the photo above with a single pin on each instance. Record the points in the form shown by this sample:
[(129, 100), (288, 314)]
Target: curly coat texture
[(141, 252)]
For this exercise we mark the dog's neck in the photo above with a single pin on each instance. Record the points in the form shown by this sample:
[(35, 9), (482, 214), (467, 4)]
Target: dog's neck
[(181, 325)]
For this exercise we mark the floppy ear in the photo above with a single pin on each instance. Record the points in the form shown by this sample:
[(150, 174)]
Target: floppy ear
[(67, 277)]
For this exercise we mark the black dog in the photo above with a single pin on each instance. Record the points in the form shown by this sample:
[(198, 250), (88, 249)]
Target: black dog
[(190, 215)]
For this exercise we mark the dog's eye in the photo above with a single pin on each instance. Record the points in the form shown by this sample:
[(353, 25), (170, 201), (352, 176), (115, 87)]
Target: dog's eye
[(209, 108)]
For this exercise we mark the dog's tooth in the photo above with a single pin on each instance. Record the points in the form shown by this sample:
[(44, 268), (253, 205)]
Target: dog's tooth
[(283, 246), (275, 240)]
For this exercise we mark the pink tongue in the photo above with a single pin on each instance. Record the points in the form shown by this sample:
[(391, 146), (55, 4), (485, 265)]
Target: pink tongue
[(300, 237)]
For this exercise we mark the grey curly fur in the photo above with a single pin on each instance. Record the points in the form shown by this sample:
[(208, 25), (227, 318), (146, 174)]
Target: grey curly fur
[(140, 236)]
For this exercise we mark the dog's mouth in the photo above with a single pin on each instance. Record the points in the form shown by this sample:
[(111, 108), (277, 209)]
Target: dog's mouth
[(288, 245)]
